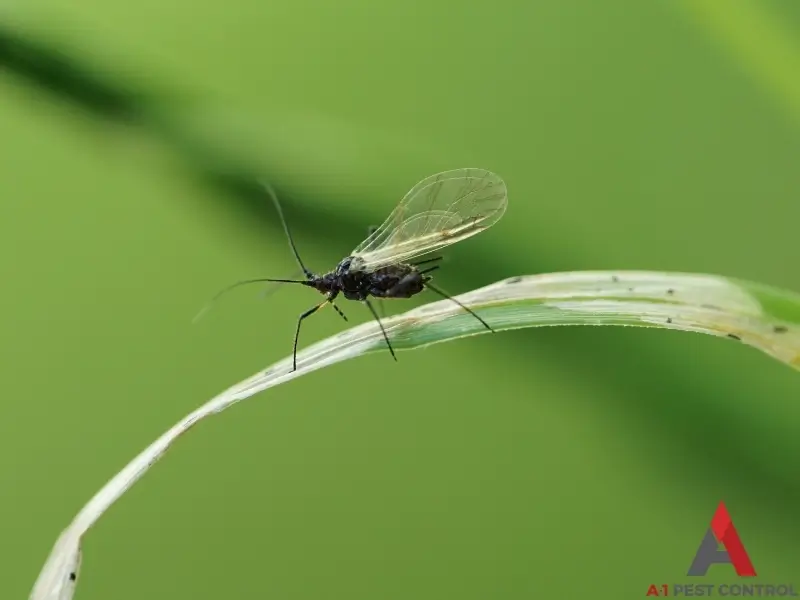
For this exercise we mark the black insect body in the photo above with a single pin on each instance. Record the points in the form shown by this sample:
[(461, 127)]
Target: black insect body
[(439, 211), (395, 281)]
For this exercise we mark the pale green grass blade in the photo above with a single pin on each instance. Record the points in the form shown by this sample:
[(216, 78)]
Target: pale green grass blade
[(760, 316)]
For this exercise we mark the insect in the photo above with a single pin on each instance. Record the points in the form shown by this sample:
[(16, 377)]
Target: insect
[(438, 211)]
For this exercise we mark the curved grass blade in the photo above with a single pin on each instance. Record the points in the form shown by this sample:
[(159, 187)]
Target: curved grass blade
[(763, 317)]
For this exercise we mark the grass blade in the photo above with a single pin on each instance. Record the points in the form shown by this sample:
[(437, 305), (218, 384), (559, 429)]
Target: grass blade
[(763, 317)]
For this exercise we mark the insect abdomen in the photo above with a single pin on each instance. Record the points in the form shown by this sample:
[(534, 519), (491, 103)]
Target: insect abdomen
[(397, 281)]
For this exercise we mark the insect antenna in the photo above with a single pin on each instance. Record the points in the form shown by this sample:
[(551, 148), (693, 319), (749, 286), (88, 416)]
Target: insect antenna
[(383, 331), (274, 196), (448, 297), (211, 302), (271, 289)]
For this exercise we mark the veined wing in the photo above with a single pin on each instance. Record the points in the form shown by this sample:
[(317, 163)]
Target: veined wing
[(440, 210)]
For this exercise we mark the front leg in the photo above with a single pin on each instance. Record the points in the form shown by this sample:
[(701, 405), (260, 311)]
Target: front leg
[(328, 300), (305, 315)]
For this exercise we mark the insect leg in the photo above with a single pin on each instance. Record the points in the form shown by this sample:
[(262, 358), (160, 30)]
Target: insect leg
[(429, 269), (383, 331), (443, 295), (427, 260), (308, 313), (381, 309), (338, 310)]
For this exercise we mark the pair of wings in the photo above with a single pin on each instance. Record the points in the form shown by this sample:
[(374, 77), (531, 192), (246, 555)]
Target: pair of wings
[(439, 211)]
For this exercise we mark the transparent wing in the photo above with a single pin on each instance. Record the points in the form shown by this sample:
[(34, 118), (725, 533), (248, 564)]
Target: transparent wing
[(440, 210)]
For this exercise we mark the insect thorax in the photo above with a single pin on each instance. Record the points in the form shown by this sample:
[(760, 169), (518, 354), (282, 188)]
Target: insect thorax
[(393, 281)]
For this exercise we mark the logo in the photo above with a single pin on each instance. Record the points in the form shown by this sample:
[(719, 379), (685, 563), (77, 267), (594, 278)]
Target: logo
[(721, 545), (721, 532)]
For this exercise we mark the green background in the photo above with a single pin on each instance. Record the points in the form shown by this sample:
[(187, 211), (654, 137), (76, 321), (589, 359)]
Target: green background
[(553, 463)]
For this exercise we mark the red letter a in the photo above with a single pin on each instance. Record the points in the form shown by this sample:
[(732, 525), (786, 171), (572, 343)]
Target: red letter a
[(722, 532), (725, 532)]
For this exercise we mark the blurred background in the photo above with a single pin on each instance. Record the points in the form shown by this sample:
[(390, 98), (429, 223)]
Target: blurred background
[(552, 463)]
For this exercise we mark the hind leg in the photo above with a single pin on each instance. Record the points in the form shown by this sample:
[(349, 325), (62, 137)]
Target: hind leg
[(383, 331)]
